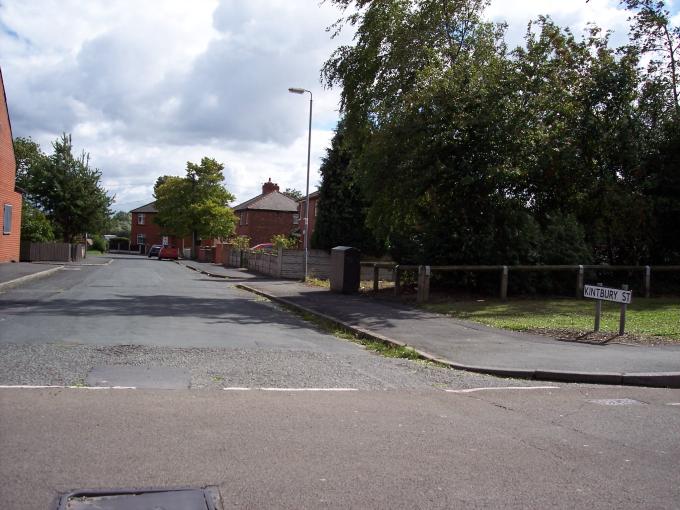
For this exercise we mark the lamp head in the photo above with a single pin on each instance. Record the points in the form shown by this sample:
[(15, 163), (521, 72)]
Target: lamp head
[(295, 90)]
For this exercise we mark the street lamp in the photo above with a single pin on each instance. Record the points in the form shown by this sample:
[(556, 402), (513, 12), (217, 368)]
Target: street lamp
[(295, 90)]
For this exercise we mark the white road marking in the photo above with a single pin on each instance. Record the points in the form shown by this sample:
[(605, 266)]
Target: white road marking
[(236, 389), (308, 389), (673, 404), (39, 387), (472, 390)]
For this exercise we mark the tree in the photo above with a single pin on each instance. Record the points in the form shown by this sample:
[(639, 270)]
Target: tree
[(196, 204), (653, 33), (119, 224), (294, 194), (341, 219), (28, 155), (64, 187), (35, 227)]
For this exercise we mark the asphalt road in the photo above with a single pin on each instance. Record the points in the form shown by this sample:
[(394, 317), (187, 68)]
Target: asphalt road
[(408, 434), (139, 312), (563, 448)]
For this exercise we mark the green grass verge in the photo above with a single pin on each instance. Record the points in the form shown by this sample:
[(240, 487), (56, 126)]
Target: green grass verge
[(646, 317), (384, 349)]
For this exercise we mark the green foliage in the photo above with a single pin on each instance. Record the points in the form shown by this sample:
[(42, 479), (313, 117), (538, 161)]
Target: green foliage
[(119, 224), (64, 187), (196, 204), (341, 217), (562, 150), (28, 155), (282, 241), (99, 244), (294, 194), (240, 242), (35, 227)]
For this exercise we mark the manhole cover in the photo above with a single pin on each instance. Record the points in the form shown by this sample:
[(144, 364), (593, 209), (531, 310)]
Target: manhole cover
[(617, 402), (151, 499)]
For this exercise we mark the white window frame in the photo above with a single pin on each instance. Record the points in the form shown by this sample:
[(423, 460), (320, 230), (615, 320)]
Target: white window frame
[(7, 219), (296, 219), (143, 239), (141, 219)]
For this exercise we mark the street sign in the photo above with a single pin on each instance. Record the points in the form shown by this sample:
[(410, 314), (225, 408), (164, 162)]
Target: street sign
[(606, 294), (600, 293)]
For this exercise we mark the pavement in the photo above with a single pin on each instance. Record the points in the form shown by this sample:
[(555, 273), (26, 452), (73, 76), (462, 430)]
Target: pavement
[(466, 345), (13, 274), (566, 448)]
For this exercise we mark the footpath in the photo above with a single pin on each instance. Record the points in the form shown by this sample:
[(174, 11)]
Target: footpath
[(468, 345), (18, 273), (13, 274)]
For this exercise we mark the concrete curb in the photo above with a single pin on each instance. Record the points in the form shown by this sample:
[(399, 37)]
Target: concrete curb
[(653, 379), (29, 277), (203, 271)]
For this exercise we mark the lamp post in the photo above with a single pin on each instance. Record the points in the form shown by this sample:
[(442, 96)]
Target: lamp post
[(294, 90)]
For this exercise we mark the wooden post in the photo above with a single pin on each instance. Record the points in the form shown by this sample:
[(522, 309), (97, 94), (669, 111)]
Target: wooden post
[(598, 311), (504, 283), (397, 280), (376, 278), (579, 282), (648, 281), (423, 284), (622, 318)]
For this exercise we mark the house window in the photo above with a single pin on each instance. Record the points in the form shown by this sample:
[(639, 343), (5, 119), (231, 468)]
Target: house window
[(296, 219), (141, 239), (316, 208), (7, 219), (244, 218), (140, 219)]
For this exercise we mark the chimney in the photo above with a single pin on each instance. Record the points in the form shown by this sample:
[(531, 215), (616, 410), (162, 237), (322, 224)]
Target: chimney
[(269, 186)]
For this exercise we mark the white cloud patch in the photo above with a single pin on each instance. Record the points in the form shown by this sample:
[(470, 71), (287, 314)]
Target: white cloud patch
[(147, 86)]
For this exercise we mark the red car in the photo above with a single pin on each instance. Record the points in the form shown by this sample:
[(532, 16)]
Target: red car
[(168, 252), (263, 247)]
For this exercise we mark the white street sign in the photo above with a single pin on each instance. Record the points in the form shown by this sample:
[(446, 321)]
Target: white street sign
[(607, 294)]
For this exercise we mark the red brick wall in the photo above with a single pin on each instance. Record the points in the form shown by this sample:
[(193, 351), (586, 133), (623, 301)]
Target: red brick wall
[(153, 233), (263, 225), (9, 243), (312, 215)]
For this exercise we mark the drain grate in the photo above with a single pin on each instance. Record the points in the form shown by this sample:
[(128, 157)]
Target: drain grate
[(147, 499), (617, 402)]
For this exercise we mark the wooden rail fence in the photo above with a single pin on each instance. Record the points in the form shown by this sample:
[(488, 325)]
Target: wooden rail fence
[(425, 273)]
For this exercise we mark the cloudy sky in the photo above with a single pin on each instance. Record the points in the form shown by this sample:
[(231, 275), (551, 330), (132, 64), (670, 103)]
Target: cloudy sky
[(146, 86)]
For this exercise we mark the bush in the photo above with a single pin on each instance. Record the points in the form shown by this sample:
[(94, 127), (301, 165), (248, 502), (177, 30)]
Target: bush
[(285, 242), (98, 244)]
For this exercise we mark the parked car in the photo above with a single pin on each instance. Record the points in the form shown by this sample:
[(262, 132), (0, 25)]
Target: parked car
[(168, 252), (153, 251), (263, 247)]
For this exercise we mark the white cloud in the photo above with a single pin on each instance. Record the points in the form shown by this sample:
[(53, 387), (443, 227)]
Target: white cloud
[(147, 86)]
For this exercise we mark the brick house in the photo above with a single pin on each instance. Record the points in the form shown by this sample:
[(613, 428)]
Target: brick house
[(266, 215), (10, 196), (144, 231), (313, 210)]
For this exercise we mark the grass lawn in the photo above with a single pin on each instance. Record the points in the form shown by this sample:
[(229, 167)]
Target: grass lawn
[(657, 317)]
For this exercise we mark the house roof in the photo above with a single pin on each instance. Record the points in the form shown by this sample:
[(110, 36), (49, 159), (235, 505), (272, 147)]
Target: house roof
[(274, 201), (311, 195), (148, 208)]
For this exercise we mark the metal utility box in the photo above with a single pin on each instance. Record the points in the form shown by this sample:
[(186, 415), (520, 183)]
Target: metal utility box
[(345, 269)]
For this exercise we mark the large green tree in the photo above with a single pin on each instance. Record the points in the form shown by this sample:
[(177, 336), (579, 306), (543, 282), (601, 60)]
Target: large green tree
[(341, 218), (196, 205), (64, 187)]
